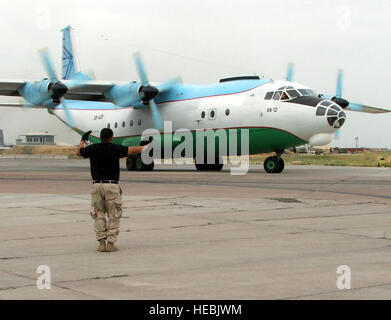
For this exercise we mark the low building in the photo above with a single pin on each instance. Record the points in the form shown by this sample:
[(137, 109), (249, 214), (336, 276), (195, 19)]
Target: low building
[(36, 139)]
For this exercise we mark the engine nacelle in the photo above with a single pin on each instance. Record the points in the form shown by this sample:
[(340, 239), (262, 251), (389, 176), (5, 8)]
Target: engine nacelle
[(43, 92), (117, 93), (34, 92)]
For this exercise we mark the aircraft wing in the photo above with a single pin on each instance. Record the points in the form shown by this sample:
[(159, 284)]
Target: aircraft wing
[(360, 107), (364, 108), (10, 87), (91, 91)]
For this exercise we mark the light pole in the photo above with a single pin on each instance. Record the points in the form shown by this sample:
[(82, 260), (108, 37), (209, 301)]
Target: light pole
[(356, 138)]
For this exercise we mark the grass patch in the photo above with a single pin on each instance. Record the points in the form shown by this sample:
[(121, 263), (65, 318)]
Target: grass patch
[(364, 159), (41, 150)]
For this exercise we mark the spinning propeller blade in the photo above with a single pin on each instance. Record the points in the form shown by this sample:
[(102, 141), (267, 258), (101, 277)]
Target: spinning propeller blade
[(338, 92), (157, 120), (68, 117), (47, 63), (140, 69), (147, 93), (289, 73), (57, 89)]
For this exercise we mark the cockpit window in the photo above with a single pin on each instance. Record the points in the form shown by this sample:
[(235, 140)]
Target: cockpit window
[(288, 93), (304, 92), (293, 93), (284, 96), (269, 95), (277, 95)]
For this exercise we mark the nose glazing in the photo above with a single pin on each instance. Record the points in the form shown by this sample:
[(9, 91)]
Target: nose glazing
[(335, 115)]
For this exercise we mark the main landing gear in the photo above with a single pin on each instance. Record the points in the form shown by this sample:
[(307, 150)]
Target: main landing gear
[(274, 164), (135, 163), (216, 166)]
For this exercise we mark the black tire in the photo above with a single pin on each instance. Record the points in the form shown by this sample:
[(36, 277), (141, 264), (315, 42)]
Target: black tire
[(217, 166), (131, 163), (141, 166), (273, 165), (282, 165)]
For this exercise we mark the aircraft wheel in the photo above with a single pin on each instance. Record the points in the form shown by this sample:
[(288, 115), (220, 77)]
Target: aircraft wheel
[(282, 165), (131, 163), (217, 166), (141, 166), (273, 165)]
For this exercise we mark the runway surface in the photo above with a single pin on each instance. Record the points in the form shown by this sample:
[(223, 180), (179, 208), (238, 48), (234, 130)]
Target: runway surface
[(197, 235)]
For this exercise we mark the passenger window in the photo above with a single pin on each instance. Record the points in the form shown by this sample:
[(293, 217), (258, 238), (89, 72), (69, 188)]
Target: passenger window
[(131, 123), (212, 114), (108, 125), (123, 124), (115, 125)]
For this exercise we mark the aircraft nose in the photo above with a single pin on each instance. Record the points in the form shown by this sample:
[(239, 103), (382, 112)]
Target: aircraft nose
[(340, 121), (334, 114)]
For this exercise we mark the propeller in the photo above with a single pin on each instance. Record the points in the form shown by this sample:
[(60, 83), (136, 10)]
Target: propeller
[(338, 92), (289, 73), (56, 88), (146, 93)]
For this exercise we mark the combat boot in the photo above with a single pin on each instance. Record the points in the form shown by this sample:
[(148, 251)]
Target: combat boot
[(102, 246), (111, 247)]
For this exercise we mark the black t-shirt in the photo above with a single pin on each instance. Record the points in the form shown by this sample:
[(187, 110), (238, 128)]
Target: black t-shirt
[(104, 159)]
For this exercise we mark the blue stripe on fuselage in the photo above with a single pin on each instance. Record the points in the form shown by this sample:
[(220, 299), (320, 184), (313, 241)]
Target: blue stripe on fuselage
[(179, 92)]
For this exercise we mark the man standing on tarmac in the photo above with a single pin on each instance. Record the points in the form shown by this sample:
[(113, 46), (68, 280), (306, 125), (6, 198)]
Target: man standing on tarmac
[(106, 194)]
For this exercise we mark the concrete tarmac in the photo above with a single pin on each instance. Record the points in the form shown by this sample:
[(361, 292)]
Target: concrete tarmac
[(197, 235)]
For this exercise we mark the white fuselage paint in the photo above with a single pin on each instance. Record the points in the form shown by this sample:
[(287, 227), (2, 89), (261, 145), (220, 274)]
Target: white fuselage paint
[(246, 109)]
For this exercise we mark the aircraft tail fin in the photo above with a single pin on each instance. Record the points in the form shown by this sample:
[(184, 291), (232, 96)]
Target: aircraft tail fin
[(70, 62)]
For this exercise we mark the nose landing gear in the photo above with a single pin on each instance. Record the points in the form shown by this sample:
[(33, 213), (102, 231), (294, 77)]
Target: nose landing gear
[(274, 164)]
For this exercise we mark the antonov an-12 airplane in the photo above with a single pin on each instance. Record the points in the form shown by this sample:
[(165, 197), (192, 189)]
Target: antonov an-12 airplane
[(277, 114)]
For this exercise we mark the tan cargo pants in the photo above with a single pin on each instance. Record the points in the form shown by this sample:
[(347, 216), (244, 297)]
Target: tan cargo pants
[(106, 198)]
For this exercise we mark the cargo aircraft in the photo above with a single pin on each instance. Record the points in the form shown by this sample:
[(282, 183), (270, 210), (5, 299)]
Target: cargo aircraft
[(277, 114)]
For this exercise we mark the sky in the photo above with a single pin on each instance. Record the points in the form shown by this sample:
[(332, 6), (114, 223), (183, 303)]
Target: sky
[(203, 41)]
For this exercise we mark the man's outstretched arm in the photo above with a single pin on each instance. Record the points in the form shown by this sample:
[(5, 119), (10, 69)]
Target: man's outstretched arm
[(84, 138), (135, 150)]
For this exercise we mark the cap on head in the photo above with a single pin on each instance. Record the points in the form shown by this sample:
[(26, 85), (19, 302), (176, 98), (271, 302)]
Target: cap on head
[(106, 133)]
